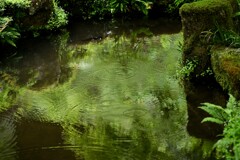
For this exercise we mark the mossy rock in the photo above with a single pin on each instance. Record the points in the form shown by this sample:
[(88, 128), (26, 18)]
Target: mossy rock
[(204, 15), (199, 17), (226, 67)]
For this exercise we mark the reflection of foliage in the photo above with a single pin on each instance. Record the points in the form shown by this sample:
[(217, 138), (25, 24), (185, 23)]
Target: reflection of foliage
[(227, 147), (7, 139), (8, 90), (122, 102)]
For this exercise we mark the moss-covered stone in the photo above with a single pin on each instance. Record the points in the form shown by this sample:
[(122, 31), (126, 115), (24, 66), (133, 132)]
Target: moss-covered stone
[(199, 17), (204, 15), (226, 67)]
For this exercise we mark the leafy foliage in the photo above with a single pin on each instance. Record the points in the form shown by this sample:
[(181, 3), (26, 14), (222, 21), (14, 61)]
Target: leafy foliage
[(58, 17), (8, 34), (187, 69), (126, 6), (219, 114), (8, 28), (226, 37), (89, 9), (228, 146), (17, 3), (177, 4)]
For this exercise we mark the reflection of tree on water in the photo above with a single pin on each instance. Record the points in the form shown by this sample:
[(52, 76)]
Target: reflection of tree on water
[(41, 63)]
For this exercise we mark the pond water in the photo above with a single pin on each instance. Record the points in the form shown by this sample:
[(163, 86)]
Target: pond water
[(99, 91)]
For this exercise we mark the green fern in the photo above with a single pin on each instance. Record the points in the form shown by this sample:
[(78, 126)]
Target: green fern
[(228, 146), (8, 34), (219, 114)]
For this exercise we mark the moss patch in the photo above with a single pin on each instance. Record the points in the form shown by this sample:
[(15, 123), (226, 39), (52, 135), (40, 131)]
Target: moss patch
[(203, 15), (226, 67)]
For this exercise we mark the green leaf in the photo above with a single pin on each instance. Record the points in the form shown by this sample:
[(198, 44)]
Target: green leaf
[(215, 111), (237, 14), (11, 42), (211, 119)]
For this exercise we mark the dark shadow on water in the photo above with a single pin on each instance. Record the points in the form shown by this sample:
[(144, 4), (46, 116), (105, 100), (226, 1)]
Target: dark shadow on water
[(82, 32), (41, 141), (201, 91), (38, 64)]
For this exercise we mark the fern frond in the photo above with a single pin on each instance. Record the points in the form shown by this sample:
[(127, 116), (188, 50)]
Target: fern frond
[(232, 102), (216, 111), (214, 120)]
